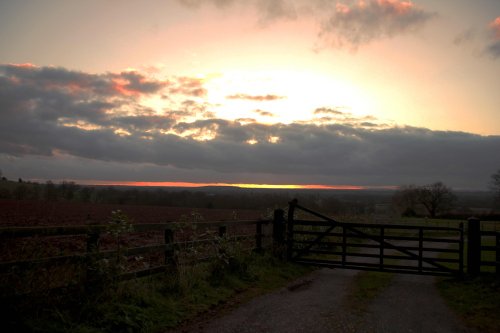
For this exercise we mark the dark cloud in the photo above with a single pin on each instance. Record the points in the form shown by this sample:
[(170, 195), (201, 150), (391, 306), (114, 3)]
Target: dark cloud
[(245, 120), (361, 23), (325, 116), (198, 3), (493, 49), (264, 113), (324, 110), (465, 37), (46, 127), (341, 23), (277, 9), (188, 86), (256, 98), (133, 82)]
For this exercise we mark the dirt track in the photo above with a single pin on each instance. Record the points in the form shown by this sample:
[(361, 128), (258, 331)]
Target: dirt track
[(410, 304)]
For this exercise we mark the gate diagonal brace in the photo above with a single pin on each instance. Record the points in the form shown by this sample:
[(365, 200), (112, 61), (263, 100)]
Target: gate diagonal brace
[(317, 240), (368, 236)]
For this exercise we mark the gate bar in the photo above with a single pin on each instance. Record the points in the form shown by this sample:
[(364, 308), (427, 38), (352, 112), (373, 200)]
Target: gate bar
[(294, 204)]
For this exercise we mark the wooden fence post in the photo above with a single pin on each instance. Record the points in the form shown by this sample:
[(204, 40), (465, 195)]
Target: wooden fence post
[(473, 246), (279, 227), (222, 230), (289, 229), (497, 255), (170, 259), (93, 241), (420, 248), (344, 245), (461, 251), (91, 275), (258, 237), (279, 224), (382, 248)]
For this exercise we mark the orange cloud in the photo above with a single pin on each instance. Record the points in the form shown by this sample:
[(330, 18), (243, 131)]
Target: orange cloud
[(258, 98), (400, 7), (495, 26), (365, 21), (189, 86), (25, 65)]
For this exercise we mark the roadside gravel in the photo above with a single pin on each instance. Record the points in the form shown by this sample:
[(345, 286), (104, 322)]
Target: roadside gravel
[(317, 303), (304, 306), (410, 304)]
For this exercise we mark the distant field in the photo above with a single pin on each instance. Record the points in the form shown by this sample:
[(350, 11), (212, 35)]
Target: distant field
[(46, 213), (26, 213)]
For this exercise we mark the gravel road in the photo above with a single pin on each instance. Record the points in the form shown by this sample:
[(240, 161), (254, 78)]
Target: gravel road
[(316, 303), (319, 303)]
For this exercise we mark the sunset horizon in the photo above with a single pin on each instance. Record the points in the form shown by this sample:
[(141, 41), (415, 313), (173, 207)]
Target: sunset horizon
[(293, 94)]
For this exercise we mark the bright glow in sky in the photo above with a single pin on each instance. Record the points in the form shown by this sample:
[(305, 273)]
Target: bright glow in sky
[(181, 85)]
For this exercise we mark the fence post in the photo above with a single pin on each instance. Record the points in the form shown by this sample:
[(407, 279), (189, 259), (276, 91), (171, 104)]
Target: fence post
[(461, 251), (420, 248), (258, 237), (497, 255), (222, 230), (473, 246), (289, 240), (93, 236), (279, 227), (382, 247), (344, 245), (91, 271), (279, 232), (170, 259), (93, 241)]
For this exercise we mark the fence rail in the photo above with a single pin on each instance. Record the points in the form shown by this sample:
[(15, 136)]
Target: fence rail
[(169, 249), (327, 237), (491, 252)]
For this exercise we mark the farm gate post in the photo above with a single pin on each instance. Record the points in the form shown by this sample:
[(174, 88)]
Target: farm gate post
[(279, 224), (222, 230), (170, 255), (289, 229), (473, 246), (258, 237), (497, 255)]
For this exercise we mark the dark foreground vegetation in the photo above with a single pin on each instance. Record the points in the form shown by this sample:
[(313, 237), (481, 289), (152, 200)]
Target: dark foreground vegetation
[(476, 301), (154, 303), (165, 300)]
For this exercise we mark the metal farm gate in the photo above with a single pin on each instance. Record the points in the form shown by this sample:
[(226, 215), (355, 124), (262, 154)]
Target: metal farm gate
[(323, 241)]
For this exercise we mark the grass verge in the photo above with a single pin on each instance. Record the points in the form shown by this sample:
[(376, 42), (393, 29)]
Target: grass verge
[(476, 301), (365, 288), (156, 303)]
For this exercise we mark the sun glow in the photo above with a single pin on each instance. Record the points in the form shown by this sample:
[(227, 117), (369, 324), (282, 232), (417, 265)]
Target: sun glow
[(284, 96)]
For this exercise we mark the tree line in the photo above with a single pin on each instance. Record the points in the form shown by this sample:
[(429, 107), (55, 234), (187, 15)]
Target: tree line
[(434, 199), (230, 198), (431, 200)]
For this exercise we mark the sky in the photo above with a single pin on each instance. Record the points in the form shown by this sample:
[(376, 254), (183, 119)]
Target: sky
[(318, 93)]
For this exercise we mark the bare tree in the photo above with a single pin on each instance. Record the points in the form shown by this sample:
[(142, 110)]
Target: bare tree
[(434, 198)]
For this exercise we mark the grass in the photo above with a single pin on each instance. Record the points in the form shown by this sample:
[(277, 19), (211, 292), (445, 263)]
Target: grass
[(476, 301), (155, 303), (365, 288)]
